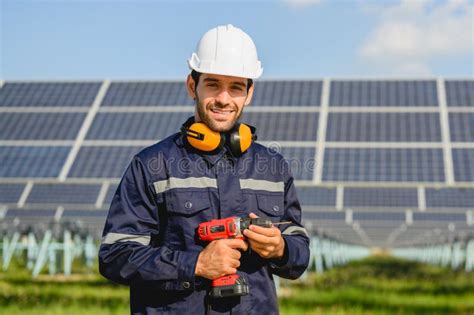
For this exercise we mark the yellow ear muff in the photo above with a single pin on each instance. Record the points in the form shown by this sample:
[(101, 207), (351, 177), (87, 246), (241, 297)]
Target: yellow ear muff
[(203, 138), (246, 137)]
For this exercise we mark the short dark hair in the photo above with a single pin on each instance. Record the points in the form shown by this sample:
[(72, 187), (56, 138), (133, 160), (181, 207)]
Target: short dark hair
[(195, 75)]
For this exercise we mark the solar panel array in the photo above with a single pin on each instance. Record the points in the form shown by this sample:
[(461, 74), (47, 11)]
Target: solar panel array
[(376, 162)]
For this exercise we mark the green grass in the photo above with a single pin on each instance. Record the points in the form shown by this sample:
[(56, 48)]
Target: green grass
[(383, 285), (377, 285), (81, 294)]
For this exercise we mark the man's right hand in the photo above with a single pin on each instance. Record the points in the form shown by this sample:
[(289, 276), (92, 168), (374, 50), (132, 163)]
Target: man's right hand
[(220, 258)]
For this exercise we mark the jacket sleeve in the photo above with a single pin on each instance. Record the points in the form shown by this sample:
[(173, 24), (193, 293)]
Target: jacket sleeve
[(296, 257), (126, 253)]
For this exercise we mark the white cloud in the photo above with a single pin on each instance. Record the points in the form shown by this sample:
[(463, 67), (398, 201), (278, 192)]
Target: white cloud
[(411, 33), (302, 3)]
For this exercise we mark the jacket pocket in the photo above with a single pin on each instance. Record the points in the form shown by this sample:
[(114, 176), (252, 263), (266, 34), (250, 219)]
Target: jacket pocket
[(271, 205), (184, 211), (187, 203)]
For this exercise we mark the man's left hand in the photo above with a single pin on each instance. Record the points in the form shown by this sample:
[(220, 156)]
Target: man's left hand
[(267, 242)]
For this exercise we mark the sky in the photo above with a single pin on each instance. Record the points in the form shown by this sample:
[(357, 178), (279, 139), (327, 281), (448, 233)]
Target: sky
[(142, 40)]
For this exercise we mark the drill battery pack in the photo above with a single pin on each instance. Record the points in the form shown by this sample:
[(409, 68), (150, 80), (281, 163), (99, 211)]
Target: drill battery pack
[(227, 286)]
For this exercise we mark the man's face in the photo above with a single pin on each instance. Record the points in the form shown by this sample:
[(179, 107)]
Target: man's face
[(219, 100)]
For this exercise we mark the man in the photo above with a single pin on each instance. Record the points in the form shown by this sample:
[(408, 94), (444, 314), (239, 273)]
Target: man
[(150, 241)]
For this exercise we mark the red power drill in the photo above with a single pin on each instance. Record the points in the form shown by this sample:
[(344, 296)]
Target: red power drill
[(233, 227)]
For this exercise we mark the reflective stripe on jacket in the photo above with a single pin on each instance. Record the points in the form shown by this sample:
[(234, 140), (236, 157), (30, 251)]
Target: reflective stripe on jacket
[(149, 239)]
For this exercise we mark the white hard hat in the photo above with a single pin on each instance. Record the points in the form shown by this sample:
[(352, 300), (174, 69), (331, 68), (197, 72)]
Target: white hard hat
[(226, 50)]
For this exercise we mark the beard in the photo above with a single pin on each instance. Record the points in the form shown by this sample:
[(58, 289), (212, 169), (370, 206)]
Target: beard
[(203, 112)]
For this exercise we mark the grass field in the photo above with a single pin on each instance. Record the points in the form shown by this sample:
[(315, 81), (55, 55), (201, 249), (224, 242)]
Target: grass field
[(377, 285)]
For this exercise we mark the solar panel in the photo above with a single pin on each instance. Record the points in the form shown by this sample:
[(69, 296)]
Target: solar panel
[(92, 221), (133, 126), (283, 126), (379, 216), (63, 194), (48, 94), (461, 126), (383, 127), (301, 161), (147, 94), (10, 193), (22, 220), (399, 165), (463, 160), (324, 215), (378, 210), (380, 197), (316, 196), (383, 93), (459, 92), (103, 162), (31, 161), (110, 195), (40, 126), (450, 197), (287, 93), (444, 217)]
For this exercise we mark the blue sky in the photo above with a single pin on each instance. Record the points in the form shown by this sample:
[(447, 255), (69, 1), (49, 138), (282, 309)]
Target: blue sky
[(295, 39)]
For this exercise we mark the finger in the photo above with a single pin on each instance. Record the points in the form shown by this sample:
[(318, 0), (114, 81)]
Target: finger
[(258, 237), (230, 271), (270, 232), (253, 215), (234, 263), (236, 244), (257, 246), (235, 254)]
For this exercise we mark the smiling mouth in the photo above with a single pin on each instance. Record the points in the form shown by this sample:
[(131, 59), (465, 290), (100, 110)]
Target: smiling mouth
[(221, 112)]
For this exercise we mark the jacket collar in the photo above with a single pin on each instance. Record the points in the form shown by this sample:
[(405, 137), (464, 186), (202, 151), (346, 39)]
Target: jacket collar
[(211, 158)]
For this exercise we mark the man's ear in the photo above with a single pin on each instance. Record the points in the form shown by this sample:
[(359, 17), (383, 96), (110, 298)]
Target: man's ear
[(191, 87), (248, 99)]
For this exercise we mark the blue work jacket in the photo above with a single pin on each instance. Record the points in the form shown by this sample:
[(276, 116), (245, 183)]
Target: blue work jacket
[(150, 241)]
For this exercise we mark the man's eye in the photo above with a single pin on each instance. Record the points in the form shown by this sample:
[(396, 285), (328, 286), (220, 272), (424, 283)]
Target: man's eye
[(237, 88), (212, 84)]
